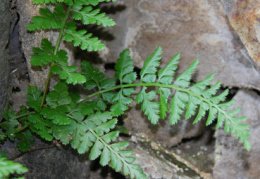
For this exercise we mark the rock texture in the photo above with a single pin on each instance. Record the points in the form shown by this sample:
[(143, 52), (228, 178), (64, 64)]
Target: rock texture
[(4, 66), (197, 29), (244, 17), (231, 160), (55, 163)]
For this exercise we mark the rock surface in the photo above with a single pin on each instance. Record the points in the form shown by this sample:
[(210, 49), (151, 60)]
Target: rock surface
[(4, 64), (244, 18), (231, 159), (197, 29), (55, 163)]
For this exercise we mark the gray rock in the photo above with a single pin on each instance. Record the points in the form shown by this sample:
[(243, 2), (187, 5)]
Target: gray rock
[(4, 65), (231, 159), (197, 29), (55, 163)]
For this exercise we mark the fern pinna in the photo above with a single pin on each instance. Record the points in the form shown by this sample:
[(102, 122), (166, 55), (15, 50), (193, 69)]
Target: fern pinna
[(8, 167), (88, 123)]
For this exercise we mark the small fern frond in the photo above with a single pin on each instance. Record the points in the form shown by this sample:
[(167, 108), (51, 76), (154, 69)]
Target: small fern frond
[(148, 105), (148, 72), (82, 39), (9, 167), (48, 20), (183, 79), (98, 138), (89, 15), (187, 99), (125, 68), (45, 55), (166, 74), (92, 2)]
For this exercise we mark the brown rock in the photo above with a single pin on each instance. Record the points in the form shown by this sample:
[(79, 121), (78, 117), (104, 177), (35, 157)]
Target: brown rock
[(244, 17)]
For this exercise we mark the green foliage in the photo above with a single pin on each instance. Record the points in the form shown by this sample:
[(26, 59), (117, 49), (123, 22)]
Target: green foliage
[(88, 15), (8, 167), (82, 39), (48, 20), (88, 123)]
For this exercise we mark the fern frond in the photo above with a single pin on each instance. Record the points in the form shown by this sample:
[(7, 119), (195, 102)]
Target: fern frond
[(91, 2), (125, 68), (95, 135), (9, 167), (68, 73), (94, 77), (48, 20), (187, 100), (45, 55), (89, 15), (148, 72), (166, 74), (82, 39), (183, 79), (148, 105), (178, 105), (121, 101)]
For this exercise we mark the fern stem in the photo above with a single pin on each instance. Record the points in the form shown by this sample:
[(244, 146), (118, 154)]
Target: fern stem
[(160, 85), (57, 46)]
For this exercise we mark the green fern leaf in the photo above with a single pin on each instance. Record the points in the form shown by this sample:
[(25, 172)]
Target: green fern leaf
[(82, 39), (166, 74), (183, 79), (125, 68), (212, 115), (96, 136), (148, 72), (212, 90), (91, 2), (202, 111), (25, 141), (34, 96), (8, 167), (68, 73), (40, 127), (43, 1), (121, 101), (45, 55), (163, 104), (48, 20), (96, 79), (10, 124), (148, 105), (58, 96), (56, 116), (191, 107), (89, 15), (178, 104)]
